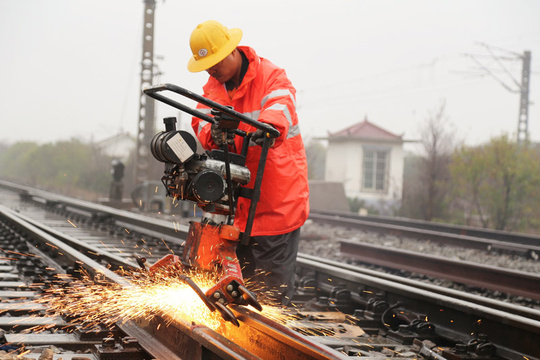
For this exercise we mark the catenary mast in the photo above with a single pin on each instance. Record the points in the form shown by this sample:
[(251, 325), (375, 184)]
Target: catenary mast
[(146, 104), (523, 120)]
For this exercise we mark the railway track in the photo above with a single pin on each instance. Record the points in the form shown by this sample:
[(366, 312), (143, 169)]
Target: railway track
[(341, 311), (470, 273), (155, 337)]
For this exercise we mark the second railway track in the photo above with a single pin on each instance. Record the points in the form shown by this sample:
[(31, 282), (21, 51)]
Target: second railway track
[(475, 238)]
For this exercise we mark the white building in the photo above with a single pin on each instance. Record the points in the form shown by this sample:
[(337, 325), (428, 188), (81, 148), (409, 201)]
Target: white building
[(119, 146), (368, 160)]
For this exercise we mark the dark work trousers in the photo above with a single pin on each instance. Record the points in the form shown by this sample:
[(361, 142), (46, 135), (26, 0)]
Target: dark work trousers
[(269, 265)]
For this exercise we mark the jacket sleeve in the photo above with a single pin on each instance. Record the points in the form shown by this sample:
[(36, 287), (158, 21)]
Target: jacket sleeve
[(278, 105), (202, 129)]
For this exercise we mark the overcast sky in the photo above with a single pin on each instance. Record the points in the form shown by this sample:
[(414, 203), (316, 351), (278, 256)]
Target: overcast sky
[(70, 68)]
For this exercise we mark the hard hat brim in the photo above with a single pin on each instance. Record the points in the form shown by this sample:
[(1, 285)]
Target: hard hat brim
[(208, 61)]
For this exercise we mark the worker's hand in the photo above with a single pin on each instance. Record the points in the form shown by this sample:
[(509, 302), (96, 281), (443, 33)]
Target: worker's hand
[(258, 138), (218, 136)]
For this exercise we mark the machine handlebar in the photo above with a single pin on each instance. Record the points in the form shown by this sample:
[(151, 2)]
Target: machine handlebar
[(153, 92)]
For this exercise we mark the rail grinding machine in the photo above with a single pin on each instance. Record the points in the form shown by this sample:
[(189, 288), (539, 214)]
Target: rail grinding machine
[(214, 180)]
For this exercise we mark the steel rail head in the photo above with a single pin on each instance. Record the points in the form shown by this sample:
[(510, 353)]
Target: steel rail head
[(288, 343)]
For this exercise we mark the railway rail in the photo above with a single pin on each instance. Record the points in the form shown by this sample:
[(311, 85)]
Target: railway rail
[(341, 311), (508, 281)]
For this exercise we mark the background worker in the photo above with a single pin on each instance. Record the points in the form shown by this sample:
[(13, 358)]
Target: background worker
[(257, 88)]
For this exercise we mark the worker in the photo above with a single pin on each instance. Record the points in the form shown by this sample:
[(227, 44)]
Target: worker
[(257, 88)]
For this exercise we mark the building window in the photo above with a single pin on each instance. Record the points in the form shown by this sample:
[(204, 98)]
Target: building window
[(375, 170)]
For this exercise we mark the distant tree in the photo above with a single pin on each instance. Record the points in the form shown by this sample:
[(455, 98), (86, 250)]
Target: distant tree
[(428, 192), (3, 149), (412, 187), (498, 183), (66, 167), (469, 171), (316, 158), (15, 162)]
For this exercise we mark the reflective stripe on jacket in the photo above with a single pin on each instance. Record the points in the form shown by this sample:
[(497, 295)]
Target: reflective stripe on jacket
[(266, 95)]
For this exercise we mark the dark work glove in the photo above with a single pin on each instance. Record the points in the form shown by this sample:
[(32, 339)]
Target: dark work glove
[(218, 136), (258, 138)]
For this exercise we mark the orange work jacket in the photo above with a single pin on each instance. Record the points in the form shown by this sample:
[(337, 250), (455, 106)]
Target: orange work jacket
[(266, 95)]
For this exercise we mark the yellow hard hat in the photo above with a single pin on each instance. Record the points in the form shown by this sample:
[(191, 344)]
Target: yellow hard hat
[(210, 43)]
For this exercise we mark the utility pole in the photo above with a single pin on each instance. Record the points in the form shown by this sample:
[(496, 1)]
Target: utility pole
[(522, 87), (523, 121), (146, 104)]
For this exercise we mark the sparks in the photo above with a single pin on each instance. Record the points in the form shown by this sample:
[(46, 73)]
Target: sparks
[(162, 294), (91, 304)]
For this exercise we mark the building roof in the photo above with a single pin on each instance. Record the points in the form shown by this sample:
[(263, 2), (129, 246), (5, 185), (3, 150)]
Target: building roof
[(123, 135), (365, 130)]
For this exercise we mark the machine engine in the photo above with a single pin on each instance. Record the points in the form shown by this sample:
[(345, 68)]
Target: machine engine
[(200, 178)]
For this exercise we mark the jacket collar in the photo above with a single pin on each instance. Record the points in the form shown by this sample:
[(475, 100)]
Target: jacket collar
[(254, 63)]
